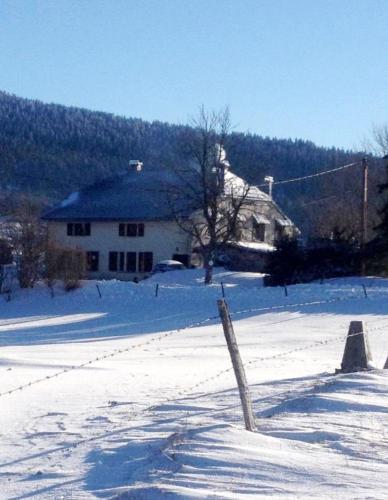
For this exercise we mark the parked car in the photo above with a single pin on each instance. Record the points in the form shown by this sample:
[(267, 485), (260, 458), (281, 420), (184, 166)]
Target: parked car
[(168, 265)]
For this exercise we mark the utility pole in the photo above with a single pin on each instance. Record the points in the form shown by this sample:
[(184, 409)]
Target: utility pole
[(364, 213)]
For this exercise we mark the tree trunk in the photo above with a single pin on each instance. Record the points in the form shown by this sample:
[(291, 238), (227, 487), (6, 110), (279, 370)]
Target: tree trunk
[(208, 263), (208, 274)]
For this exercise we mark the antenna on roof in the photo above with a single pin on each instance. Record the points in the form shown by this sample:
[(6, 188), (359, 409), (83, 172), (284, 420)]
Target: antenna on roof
[(136, 165)]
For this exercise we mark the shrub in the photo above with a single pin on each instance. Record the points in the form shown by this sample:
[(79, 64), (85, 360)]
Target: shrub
[(321, 258), (65, 264)]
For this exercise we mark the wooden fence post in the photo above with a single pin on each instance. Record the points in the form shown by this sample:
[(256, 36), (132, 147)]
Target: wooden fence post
[(99, 291), (156, 289), (365, 293), (238, 367), (285, 290)]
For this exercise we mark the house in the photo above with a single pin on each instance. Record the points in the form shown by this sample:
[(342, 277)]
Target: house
[(125, 224)]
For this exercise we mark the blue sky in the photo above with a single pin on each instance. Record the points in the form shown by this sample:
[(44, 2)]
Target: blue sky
[(315, 69)]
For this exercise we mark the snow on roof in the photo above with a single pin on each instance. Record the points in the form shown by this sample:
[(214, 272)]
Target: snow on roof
[(284, 222), (236, 186), (132, 196), (260, 219), (72, 198), (254, 246)]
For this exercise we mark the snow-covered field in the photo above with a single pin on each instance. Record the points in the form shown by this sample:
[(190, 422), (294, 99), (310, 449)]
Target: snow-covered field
[(154, 410)]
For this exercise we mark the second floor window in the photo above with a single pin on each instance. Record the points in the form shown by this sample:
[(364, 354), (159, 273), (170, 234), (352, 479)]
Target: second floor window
[(131, 230), (78, 229)]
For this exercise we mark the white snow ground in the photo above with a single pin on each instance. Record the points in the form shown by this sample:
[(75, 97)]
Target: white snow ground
[(159, 417)]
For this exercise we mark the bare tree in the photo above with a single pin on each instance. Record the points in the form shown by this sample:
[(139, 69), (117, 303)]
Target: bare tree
[(380, 138), (215, 196), (27, 236)]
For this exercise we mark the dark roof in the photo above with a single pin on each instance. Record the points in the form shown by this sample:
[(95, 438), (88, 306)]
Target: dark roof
[(144, 195)]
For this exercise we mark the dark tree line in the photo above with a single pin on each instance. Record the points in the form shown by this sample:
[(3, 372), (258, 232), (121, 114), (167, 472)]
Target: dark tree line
[(49, 150)]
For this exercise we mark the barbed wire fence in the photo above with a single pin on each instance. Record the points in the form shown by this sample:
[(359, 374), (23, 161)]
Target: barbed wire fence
[(192, 390), (162, 336)]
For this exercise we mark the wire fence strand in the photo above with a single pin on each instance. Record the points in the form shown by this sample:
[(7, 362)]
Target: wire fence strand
[(162, 336)]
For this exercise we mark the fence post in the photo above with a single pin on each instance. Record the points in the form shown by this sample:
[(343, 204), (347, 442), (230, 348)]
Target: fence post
[(98, 290), (365, 293), (156, 289), (223, 291), (285, 290), (238, 367)]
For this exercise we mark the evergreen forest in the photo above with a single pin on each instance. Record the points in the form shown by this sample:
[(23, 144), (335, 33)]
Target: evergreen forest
[(50, 150)]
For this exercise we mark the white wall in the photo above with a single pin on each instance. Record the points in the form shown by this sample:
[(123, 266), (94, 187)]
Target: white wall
[(162, 238)]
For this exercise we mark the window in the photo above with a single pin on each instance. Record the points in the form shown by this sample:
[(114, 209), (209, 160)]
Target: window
[(113, 261), (131, 230), (123, 262), (259, 232), (131, 262), (279, 230), (78, 229), (92, 259), (145, 262)]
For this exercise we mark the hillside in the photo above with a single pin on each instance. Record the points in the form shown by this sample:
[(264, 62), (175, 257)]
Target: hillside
[(49, 150)]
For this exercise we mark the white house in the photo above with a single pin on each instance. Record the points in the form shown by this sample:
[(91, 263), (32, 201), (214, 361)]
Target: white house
[(125, 223)]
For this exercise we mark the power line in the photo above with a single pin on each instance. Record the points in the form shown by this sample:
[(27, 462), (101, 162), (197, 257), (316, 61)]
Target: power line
[(318, 174)]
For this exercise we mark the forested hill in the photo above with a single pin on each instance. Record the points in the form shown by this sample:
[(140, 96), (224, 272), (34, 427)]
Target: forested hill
[(50, 150)]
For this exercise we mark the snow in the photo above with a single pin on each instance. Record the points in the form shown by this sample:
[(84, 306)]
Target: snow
[(158, 412), (254, 245), (70, 200), (236, 186)]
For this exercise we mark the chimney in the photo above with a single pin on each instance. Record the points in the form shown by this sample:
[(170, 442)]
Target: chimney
[(136, 165)]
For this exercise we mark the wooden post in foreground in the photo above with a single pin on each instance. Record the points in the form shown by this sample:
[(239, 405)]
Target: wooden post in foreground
[(238, 367)]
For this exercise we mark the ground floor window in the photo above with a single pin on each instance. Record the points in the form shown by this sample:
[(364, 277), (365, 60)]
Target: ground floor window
[(145, 261), (92, 259), (131, 262), (113, 261)]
